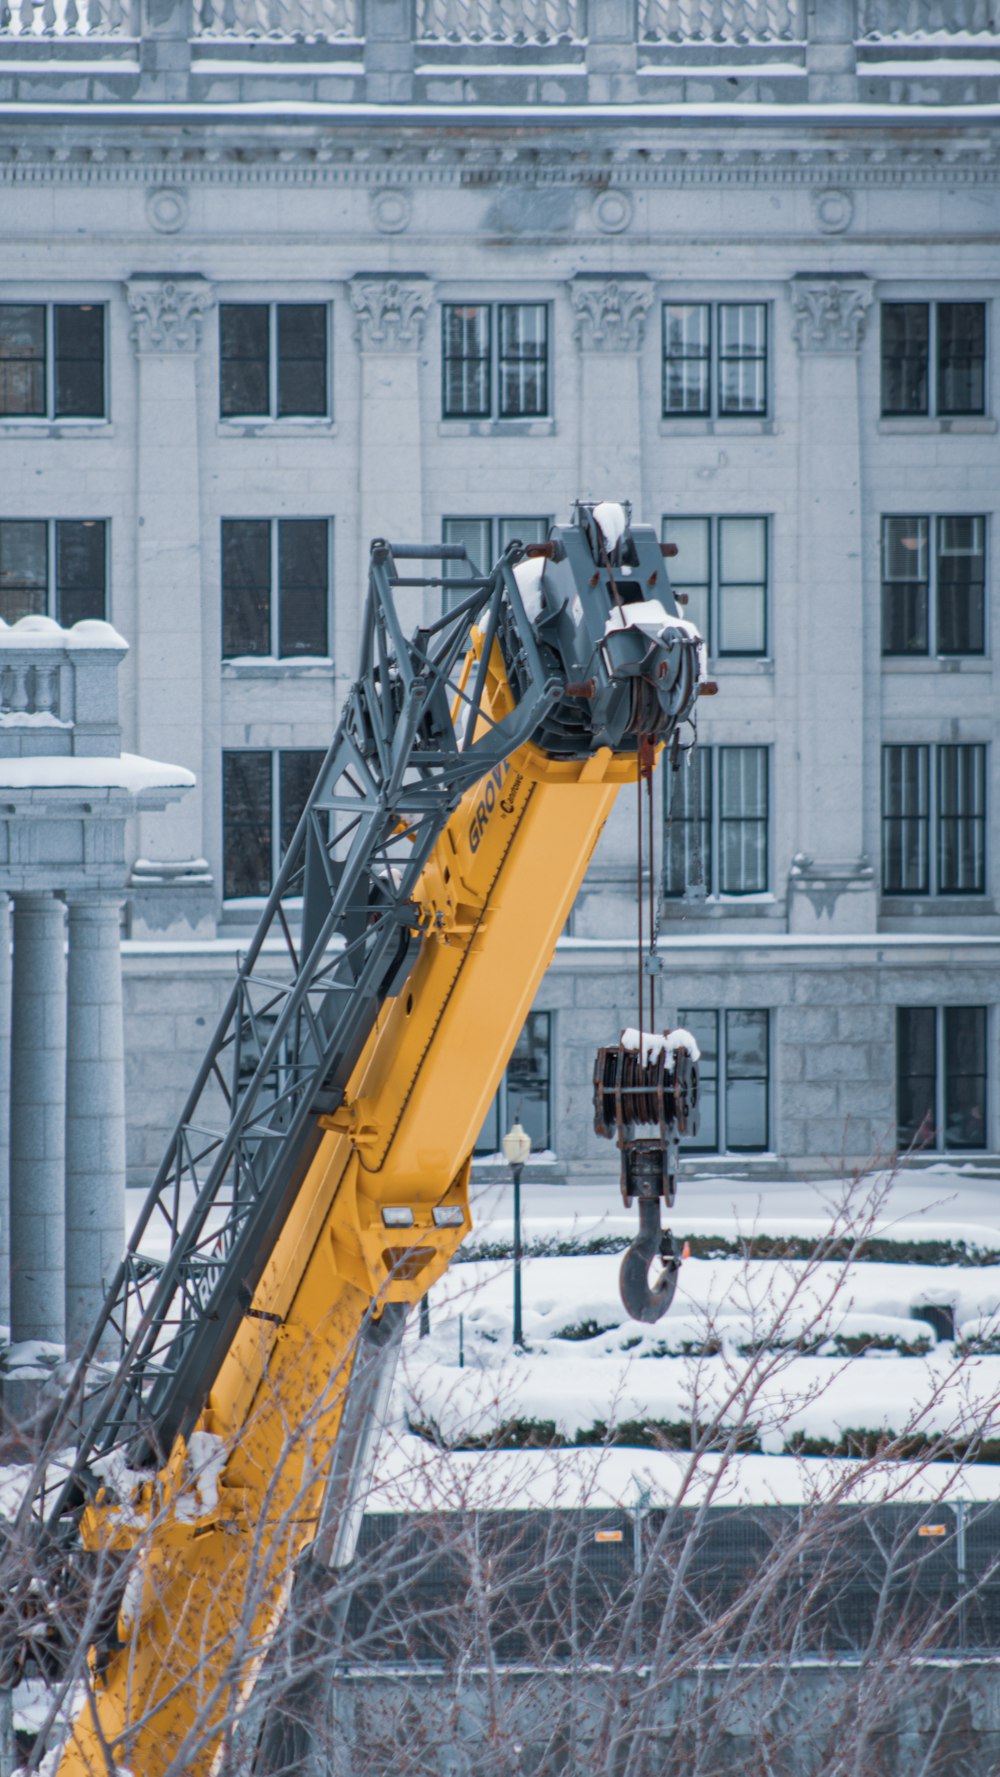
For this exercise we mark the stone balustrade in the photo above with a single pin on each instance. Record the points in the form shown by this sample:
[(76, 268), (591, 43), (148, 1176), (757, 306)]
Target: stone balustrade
[(58, 689)]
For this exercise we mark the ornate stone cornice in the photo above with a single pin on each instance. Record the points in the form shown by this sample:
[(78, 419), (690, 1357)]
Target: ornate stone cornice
[(389, 312), (610, 313), (829, 312), (167, 312)]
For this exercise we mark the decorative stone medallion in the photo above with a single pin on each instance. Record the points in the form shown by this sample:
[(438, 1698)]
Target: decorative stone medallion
[(167, 209), (390, 211), (833, 210), (612, 211)]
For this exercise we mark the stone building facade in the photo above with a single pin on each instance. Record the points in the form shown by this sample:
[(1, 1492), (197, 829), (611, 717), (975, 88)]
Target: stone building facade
[(437, 269)]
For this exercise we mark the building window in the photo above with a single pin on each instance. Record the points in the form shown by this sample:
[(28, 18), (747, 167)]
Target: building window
[(934, 820), (721, 568), (933, 358), (263, 794), (484, 539), (275, 587), (525, 1090), (717, 822), (941, 1077), (273, 360), (733, 336), (494, 360), (53, 567), (734, 1076), (933, 585), (52, 360)]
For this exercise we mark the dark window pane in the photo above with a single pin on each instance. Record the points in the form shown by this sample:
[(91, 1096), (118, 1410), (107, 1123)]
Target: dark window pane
[(246, 824), (915, 1076), (488, 1140), (743, 812), (961, 563), (742, 357), (961, 820), (742, 585), (686, 358), (24, 568), (691, 568), (747, 1072), (302, 377), (528, 1074), (523, 359), (704, 1028), (965, 1077), (905, 821), (79, 347), (688, 811), (523, 530), (476, 536), (297, 772), (465, 357), (961, 357), (905, 572), (22, 359), (80, 570), (905, 357), (303, 580), (246, 586), (243, 358)]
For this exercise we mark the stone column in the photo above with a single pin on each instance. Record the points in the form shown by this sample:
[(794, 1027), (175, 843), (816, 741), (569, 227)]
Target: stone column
[(167, 316), (4, 1110), (612, 59), (38, 1118), (832, 885), (831, 51), (95, 1110), (389, 52), (609, 326), (389, 317)]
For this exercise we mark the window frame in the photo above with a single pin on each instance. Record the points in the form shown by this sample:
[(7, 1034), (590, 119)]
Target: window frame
[(501, 1102), (53, 589), (712, 852), (275, 588), (492, 413), (51, 416), (496, 522), (935, 522), (275, 755), (930, 761), (933, 408), (714, 359), (723, 1080), (272, 417), (716, 586), (939, 1143)]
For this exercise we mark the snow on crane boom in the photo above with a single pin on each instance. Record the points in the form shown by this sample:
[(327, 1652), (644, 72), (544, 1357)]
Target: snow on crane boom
[(317, 1182)]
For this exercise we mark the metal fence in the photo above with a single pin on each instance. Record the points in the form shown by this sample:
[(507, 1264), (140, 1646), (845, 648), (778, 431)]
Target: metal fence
[(553, 1587)]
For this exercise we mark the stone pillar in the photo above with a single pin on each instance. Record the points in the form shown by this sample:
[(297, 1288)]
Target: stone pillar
[(38, 1118), (832, 885), (165, 48), (609, 326), (612, 59), (389, 52), (4, 1110), (831, 51), (95, 1110), (389, 316), (167, 316)]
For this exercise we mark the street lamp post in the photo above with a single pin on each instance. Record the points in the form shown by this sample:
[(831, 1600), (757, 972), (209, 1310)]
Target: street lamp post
[(516, 1148)]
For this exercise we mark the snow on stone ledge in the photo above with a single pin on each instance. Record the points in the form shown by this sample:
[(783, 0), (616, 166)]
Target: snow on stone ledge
[(45, 632), (128, 772)]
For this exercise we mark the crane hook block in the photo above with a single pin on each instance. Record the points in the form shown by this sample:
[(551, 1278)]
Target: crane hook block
[(646, 1098)]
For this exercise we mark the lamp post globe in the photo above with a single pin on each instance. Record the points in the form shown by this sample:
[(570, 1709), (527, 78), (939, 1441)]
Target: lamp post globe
[(516, 1148)]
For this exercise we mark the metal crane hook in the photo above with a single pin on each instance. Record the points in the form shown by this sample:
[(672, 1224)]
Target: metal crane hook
[(642, 1300)]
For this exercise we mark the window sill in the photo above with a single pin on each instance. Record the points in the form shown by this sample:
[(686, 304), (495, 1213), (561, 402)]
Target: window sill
[(922, 907), (268, 428), (32, 428), (268, 666), (903, 423), (936, 663), (753, 665), (537, 428), (728, 426), (717, 907)]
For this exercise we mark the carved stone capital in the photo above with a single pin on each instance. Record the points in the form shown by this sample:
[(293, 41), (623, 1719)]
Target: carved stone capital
[(167, 312), (389, 313), (610, 313), (829, 313)]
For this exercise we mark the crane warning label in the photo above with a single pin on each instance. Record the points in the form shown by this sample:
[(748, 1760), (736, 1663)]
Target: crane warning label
[(486, 804)]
